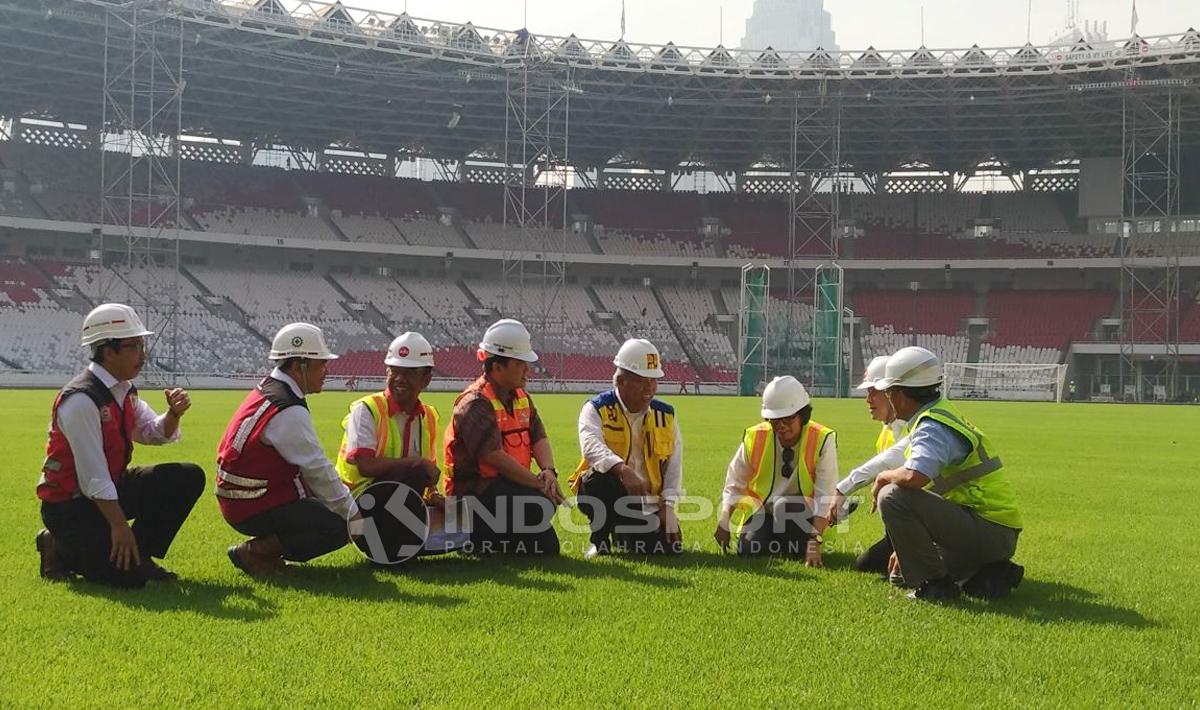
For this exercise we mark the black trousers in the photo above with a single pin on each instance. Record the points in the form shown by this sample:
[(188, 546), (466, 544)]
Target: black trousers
[(306, 529), (628, 527), (767, 534), (157, 498), (875, 558), (497, 527)]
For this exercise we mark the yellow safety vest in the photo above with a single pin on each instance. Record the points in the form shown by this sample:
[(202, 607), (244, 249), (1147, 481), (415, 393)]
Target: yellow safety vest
[(389, 441), (886, 438), (658, 437), (757, 442), (979, 482)]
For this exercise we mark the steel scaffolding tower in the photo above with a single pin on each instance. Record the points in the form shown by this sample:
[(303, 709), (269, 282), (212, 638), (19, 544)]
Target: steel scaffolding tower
[(1149, 332), (140, 172), (813, 205), (538, 171)]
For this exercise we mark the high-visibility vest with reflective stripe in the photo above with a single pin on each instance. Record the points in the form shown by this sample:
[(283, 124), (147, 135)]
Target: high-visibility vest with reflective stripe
[(658, 437), (979, 482), (515, 436), (759, 446), (390, 442), (252, 476)]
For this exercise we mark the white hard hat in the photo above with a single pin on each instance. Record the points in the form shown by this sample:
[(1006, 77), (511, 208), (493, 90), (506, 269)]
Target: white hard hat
[(508, 338), (110, 321), (911, 367), (640, 357), (873, 373), (300, 340), (783, 397), (409, 350)]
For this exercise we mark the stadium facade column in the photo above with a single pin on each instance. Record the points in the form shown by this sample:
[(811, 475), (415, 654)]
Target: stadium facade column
[(814, 296), (537, 172), (141, 121), (1149, 251)]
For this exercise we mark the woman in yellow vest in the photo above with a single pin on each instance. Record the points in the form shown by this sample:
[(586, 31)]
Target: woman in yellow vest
[(887, 456), (631, 473), (782, 474), (950, 510)]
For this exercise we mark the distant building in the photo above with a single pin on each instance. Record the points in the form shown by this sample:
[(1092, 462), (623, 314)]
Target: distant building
[(790, 25)]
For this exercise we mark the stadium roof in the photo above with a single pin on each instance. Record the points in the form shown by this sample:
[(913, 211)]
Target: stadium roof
[(311, 74)]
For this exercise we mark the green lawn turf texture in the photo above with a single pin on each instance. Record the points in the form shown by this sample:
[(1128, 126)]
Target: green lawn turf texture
[(1107, 614)]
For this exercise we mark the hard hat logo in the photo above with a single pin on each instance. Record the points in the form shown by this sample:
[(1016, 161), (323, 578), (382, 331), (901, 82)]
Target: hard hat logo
[(303, 340), (409, 350), (651, 361)]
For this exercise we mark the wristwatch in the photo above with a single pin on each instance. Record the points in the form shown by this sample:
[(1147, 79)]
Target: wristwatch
[(818, 538)]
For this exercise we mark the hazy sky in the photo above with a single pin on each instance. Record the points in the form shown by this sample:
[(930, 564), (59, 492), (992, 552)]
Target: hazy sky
[(886, 24)]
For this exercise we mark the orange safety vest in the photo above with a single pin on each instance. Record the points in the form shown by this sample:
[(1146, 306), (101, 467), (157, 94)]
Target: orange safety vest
[(515, 435)]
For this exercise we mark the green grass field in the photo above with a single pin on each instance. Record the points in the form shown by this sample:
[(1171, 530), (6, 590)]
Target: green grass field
[(1108, 613)]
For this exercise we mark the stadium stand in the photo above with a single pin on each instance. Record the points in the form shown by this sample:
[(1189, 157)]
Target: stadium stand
[(1045, 318)]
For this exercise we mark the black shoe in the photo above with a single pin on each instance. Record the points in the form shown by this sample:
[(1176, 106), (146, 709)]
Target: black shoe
[(994, 580), (51, 566), (936, 590), (154, 572)]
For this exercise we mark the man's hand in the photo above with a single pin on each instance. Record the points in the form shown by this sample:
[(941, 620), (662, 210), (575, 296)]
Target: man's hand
[(835, 508), (549, 487), (430, 472), (670, 523), (123, 550), (178, 401), (893, 565), (634, 486), (721, 535), (812, 555)]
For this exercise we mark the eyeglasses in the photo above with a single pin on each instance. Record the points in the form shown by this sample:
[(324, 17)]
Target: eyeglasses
[(139, 345), (789, 463)]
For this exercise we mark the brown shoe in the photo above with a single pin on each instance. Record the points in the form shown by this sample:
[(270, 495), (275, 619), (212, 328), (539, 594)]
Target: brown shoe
[(258, 557), (51, 566)]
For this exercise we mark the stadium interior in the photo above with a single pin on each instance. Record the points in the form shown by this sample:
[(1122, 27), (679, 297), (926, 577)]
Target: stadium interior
[(1008, 270)]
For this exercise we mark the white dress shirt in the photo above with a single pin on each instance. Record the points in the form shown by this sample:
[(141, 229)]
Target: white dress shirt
[(79, 421), (291, 433), (886, 460), (738, 474), (601, 458)]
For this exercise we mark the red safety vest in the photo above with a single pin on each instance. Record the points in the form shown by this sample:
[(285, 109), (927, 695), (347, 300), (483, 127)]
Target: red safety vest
[(514, 428), (59, 481), (252, 477)]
